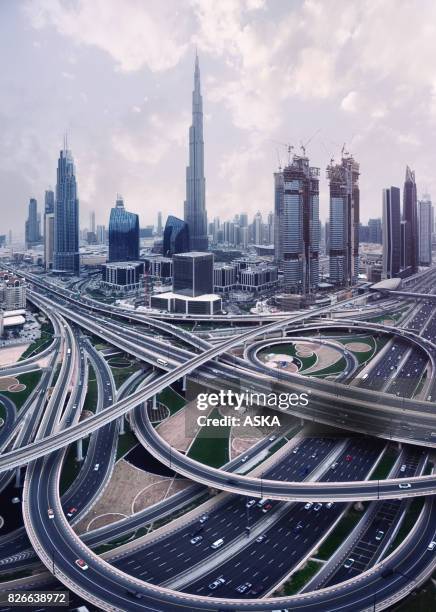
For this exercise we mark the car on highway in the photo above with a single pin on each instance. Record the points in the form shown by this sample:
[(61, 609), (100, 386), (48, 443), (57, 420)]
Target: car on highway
[(96, 467), (295, 451), (261, 538), (244, 459), (379, 535), (203, 518), (217, 544), (317, 507), (432, 545), (135, 594), (50, 513), (349, 562), (81, 563), (404, 485), (403, 468), (348, 457), (71, 511), (217, 583), (250, 503), (308, 505), (244, 587), (298, 527), (267, 507), (196, 539), (272, 438), (334, 465), (329, 505)]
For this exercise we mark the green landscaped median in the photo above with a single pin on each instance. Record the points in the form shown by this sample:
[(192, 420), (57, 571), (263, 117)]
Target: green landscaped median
[(92, 392), (171, 399), (30, 379), (297, 581), (339, 533), (40, 344), (211, 446), (385, 464)]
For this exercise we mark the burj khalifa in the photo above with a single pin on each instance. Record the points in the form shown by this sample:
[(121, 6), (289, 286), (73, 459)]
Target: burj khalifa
[(195, 203)]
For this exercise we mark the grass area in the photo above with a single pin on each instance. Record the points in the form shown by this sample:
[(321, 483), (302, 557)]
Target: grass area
[(122, 374), (385, 464), (211, 445), (171, 399), (125, 443), (335, 368), (30, 379), (41, 343), (409, 521), (288, 348), (339, 533), (300, 578), (71, 467), (92, 392)]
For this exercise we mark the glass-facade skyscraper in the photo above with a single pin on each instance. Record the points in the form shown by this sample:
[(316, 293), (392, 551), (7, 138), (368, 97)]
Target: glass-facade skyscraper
[(410, 216), (32, 225), (344, 222), (193, 273), (66, 258), (296, 233), (391, 232), (123, 233), (195, 203), (175, 237)]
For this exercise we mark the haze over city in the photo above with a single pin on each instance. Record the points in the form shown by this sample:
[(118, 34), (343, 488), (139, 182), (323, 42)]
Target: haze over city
[(272, 74)]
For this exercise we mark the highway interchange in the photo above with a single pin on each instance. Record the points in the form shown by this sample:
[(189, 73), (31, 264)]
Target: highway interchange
[(152, 575)]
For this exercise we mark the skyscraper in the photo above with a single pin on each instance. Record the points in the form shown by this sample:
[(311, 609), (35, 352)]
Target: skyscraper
[(175, 237), (49, 205), (159, 223), (410, 215), (195, 203), (123, 233), (32, 227), (66, 218), (296, 235), (344, 221), (391, 232), (193, 273), (375, 231), (425, 216), (257, 228), (92, 221)]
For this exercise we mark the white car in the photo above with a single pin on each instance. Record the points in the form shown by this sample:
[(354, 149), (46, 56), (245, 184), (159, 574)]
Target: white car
[(405, 485), (308, 505), (81, 563), (217, 583), (50, 513), (432, 545), (96, 467)]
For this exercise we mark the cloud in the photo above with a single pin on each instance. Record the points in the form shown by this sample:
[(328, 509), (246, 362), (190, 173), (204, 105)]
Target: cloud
[(134, 33)]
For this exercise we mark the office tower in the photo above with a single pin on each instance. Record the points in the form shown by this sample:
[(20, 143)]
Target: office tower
[(270, 228), (243, 241), (31, 228), (257, 228), (193, 273), (123, 233), (344, 221), (391, 232), (159, 223), (101, 234), (175, 237), (243, 220), (49, 206), (375, 231), (66, 258), (296, 236), (410, 216), (363, 233), (92, 222), (425, 209), (195, 206)]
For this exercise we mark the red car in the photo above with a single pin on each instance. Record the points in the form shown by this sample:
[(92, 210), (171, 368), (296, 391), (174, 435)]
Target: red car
[(267, 507), (348, 457), (71, 511)]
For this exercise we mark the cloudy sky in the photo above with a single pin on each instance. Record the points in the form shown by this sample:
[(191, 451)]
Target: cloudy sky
[(117, 75)]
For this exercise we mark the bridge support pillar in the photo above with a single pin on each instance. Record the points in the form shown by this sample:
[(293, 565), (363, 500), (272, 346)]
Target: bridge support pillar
[(400, 445), (122, 428), (283, 333), (184, 383), (18, 477), (79, 450), (154, 402)]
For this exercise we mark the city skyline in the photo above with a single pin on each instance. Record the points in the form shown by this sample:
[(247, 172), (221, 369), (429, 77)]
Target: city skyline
[(128, 142)]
